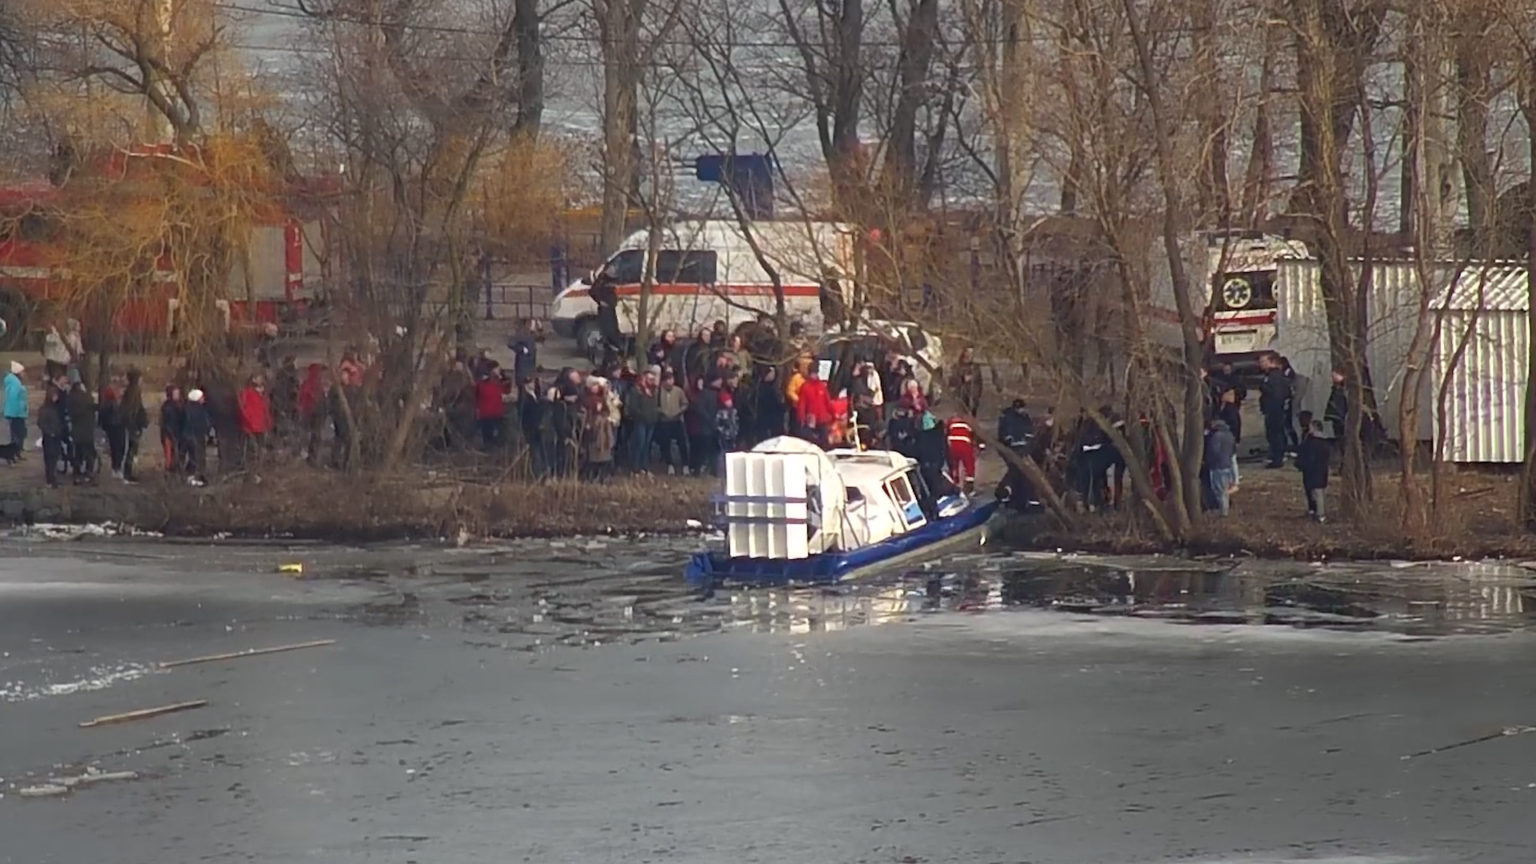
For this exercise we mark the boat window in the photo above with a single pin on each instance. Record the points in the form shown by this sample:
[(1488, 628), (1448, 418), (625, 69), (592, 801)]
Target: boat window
[(906, 500)]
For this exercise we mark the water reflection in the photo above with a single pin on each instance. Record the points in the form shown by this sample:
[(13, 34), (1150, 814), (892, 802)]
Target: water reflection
[(823, 610), (1419, 600)]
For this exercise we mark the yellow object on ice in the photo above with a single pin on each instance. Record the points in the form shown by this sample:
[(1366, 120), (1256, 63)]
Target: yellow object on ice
[(291, 568)]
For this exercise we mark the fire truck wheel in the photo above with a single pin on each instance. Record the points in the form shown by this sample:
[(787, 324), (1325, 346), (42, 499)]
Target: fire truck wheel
[(14, 310)]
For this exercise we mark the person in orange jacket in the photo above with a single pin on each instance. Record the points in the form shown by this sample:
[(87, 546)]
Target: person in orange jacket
[(962, 453), (793, 384)]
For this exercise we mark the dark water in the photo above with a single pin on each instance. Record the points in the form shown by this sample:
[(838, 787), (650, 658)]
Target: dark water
[(611, 596), (593, 591)]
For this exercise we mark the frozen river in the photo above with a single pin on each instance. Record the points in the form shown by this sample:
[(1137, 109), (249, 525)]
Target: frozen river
[(570, 702)]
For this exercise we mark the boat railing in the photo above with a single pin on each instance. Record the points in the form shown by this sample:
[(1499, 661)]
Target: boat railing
[(723, 518)]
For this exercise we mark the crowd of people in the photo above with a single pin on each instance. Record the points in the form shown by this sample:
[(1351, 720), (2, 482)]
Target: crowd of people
[(1309, 442), (74, 420), (1089, 465), (692, 401)]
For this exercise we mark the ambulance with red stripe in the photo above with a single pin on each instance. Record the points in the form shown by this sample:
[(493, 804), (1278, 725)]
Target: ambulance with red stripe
[(1233, 278), (713, 270)]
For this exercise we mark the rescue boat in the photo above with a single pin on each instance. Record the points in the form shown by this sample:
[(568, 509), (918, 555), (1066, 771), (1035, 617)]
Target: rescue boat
[(794, 513)]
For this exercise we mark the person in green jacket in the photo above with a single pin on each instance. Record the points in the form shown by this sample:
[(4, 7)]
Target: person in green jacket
[(642, 410)]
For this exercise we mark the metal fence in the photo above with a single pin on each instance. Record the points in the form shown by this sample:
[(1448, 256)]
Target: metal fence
[(513, 301)]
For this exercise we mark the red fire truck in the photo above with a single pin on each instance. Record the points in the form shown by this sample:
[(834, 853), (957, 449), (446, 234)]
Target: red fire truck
[(285, 265)]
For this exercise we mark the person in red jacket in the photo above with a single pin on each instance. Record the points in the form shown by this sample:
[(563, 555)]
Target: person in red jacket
[(814, 411), (962, 453), (490, 404), (255, 417)]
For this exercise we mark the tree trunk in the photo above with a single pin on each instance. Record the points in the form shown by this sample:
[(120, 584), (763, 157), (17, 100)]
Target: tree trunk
[(1334, 41), (1261, 157), (619, 25), (1192, 441), (1527, 507), (1474, 67), (912, 69), (530, 69), (1214, 190)]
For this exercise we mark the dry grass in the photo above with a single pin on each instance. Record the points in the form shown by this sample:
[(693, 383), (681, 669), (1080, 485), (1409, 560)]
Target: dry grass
[(1476, 520), (329, 506)]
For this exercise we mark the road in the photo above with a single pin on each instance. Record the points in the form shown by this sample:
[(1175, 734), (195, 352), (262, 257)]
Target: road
[(427, 734)]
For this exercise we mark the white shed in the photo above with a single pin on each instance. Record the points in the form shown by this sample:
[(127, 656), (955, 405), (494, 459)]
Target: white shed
[(1485, 323), (1485, 310), (1392, 305)]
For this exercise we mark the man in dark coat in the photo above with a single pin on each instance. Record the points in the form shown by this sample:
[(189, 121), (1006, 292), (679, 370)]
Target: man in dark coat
[(1015, 427), (80, 407), (1312, 458), (1291, 439), (51, 423), (196, 425), (284, 395), (1337, 409), (525, 350), (1275, 403), (135, 421), (699, 420), (564, 431), (530, 416)]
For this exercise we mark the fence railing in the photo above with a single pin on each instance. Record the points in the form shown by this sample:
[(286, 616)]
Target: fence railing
[(511, 301)]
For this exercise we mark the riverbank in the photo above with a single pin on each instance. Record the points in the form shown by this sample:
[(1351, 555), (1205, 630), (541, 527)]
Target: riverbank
[(1269, 520), (1268, 515), (321, 505)]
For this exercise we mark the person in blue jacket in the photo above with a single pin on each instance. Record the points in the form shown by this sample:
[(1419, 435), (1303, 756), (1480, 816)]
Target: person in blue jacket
[(16, 405)]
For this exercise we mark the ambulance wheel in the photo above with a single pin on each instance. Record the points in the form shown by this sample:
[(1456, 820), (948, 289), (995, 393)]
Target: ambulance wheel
[(589, 338)]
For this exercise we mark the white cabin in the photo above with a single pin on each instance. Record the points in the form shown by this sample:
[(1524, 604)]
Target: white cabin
[(787, 498)]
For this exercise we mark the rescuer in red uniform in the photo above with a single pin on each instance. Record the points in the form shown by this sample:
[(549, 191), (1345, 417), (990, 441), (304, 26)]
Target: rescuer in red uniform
[(962, 453)]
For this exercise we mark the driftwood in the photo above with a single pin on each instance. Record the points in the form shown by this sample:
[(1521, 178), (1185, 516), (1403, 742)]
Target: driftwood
[(144, 713), (249, 652)]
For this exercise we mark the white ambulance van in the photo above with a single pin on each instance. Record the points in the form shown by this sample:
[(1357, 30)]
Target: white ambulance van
[(1233, 279), (708, 271)]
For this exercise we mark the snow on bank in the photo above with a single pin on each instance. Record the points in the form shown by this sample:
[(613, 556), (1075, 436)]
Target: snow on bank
[(57, 531)]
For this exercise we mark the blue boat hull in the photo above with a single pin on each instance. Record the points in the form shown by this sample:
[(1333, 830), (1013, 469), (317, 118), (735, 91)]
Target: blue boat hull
[(708, 569)]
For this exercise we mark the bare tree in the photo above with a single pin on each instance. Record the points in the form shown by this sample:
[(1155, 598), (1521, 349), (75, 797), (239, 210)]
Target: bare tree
[(630, 32), (414, 127), (1334, 41), (828, 36)]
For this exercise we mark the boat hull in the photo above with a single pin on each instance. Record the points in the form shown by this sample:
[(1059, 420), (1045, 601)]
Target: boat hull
[(964, 530)]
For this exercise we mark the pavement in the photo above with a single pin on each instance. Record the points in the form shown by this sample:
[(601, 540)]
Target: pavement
[(568, 702)]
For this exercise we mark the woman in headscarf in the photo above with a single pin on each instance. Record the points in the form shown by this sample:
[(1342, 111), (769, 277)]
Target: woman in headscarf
[(598, 430)]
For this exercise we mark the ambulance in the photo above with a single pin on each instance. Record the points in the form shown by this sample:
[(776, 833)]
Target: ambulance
[(1233, 279), (712, 270)]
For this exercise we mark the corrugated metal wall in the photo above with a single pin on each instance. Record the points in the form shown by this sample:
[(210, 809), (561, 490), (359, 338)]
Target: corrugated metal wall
[(1392, 310), (1302, 331), (1485, 405)]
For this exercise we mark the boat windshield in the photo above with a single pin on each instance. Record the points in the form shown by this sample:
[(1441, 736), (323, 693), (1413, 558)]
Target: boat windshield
[(906, 501)]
